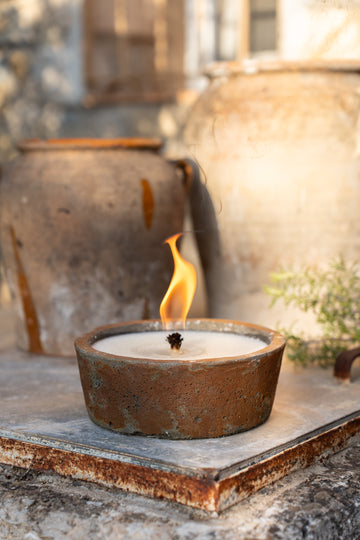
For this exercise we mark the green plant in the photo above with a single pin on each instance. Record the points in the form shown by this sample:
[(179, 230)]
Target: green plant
[(333, 296)]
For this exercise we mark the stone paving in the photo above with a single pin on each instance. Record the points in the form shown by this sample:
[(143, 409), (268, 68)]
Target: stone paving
[(320, 503)]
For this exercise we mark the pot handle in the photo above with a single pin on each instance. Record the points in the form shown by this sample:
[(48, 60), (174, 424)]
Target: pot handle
[(204, 220), (344, 362), (189, 169)]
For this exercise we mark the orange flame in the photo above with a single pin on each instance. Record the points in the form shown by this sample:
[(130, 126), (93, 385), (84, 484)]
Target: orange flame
[(178, 298)]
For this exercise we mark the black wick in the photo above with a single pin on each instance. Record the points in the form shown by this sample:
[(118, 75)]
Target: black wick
[(175, 340)]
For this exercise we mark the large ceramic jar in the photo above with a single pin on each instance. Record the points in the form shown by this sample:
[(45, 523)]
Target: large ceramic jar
[(279, 147), (82, 230)]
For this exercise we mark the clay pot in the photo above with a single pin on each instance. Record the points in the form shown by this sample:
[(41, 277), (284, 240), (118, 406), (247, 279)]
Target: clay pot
[(180, 399), (279, 147), (82, 230)]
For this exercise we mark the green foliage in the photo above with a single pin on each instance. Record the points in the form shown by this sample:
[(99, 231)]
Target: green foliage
[(333, 296)]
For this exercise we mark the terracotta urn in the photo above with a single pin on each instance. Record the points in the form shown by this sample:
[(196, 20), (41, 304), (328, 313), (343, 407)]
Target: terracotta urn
[(82, 228), (178, 397), (279, 146)]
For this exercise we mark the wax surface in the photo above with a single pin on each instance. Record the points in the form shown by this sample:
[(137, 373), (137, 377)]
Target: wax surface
[(195, 345)]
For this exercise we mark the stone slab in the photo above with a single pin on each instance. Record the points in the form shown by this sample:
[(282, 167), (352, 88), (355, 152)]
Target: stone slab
[(44, 425)]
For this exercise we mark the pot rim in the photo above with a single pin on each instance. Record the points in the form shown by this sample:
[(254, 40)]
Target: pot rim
[(83, 344), (253, 66), (89, 143)]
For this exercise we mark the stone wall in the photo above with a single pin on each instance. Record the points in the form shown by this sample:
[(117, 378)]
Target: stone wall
[(319, 29), (36, 78)]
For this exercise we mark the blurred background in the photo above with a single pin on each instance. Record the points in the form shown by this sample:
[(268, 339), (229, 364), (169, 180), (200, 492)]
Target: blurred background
[(112, 68), (109, 68)]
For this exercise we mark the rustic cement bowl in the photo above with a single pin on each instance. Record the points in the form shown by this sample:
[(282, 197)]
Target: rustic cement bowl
[(176, 398)]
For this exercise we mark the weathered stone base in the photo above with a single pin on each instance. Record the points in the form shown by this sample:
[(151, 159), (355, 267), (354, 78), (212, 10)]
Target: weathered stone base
[(321, 502)]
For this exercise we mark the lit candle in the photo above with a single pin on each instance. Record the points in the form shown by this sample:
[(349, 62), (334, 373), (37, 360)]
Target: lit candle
[(221, 381)]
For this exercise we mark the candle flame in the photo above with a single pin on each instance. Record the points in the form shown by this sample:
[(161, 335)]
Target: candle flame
[(178, 298)]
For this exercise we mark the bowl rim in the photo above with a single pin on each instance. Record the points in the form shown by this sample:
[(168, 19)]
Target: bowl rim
[(83, 344)]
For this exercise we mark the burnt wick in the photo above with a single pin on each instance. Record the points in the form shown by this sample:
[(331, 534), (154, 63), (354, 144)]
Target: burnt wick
[(175, 340)]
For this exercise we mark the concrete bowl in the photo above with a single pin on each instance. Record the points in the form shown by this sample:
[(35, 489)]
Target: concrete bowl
[(175, 398)]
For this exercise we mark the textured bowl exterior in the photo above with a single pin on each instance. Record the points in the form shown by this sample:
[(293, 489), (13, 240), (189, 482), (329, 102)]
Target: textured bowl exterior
[(180, 399)]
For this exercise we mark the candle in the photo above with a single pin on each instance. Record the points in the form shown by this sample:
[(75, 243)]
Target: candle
[(196, 345), (221, 381), (179, 378)]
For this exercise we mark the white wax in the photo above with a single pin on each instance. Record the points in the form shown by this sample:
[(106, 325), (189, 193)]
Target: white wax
[(196, 345)]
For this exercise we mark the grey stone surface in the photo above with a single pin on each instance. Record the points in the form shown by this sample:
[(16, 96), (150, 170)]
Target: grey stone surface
[(319, 503), (41, 399)]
